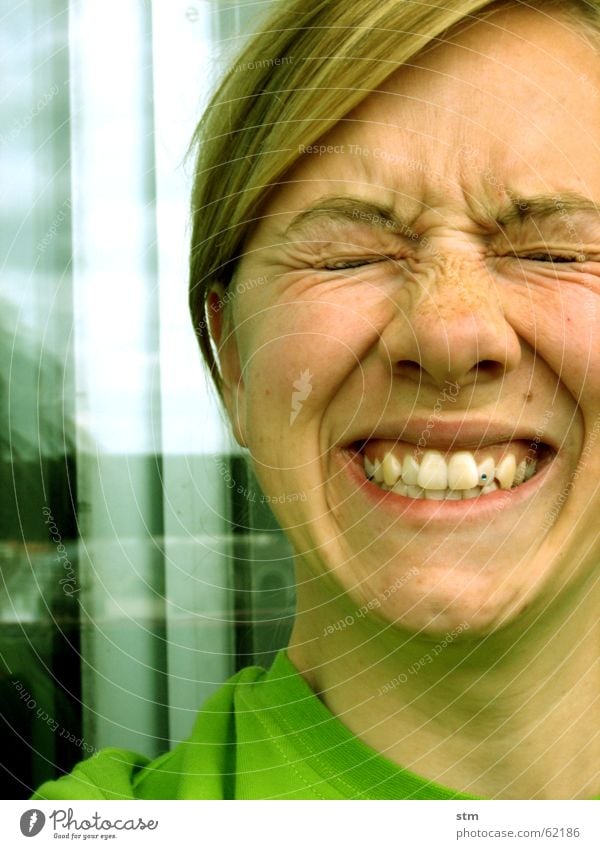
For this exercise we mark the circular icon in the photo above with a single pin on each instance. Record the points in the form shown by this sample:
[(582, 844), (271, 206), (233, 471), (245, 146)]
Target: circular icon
[(32, 822)]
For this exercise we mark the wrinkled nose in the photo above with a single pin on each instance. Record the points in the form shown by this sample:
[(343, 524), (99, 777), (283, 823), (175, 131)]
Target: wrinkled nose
[(450, 325)]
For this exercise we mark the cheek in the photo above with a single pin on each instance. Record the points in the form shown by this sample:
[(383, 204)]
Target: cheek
[(561, 323), (300, 352)]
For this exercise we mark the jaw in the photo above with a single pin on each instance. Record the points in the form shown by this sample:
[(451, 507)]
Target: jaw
[(432, 564), (429, 565)]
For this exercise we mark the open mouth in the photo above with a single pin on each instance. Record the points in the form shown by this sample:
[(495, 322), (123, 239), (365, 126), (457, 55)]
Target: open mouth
[(405, 469)]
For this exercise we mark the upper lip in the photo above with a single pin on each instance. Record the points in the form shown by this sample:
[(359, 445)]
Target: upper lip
[(444, 435)]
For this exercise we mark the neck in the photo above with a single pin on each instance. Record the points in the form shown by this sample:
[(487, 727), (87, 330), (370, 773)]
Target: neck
[(507, 715)]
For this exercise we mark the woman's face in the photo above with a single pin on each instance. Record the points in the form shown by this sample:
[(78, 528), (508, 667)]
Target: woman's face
[(428, 280)]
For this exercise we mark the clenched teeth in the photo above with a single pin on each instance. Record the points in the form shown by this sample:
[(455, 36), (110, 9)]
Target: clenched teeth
[(459, 477)]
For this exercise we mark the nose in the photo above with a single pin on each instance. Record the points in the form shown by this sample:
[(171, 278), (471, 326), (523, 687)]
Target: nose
[(449, 325)]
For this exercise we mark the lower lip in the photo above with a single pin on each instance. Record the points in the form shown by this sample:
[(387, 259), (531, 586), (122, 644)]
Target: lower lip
[(421, 510)]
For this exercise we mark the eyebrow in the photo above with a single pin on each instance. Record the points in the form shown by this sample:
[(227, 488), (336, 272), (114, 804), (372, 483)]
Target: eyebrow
[(521, 209), (357, 210), (346, 209)]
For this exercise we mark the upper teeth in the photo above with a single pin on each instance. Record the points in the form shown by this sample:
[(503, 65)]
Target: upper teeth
[(463, 472), (459, 477)]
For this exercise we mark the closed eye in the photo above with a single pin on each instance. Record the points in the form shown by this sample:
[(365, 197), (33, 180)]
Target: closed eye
[(553, 258), (340, 265)]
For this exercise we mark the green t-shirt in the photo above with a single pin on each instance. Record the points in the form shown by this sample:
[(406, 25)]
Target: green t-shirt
[(263, 735)]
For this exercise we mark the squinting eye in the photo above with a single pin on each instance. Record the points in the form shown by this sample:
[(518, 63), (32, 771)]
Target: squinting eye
[(350, 263), (554, 258)]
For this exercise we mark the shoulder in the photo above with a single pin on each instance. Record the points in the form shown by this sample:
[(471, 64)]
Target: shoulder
[(202, 767), (109, 774)]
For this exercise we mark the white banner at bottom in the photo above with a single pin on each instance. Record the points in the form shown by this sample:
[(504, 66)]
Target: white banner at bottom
[(303, 825)]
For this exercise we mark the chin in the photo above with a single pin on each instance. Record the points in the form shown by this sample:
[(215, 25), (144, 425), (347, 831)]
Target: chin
[(458, 604)]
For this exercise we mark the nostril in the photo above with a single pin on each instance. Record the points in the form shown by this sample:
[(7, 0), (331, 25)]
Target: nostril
[(489, 368), (408, 368)]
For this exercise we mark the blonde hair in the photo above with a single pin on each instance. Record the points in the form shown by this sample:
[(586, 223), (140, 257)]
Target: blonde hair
[(311, 64)]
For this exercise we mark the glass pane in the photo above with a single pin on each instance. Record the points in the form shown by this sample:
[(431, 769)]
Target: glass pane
[(135, 578), (40, 686)]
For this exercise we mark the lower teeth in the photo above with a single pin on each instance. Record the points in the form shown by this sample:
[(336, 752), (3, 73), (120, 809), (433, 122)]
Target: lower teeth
[(417, 492)]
